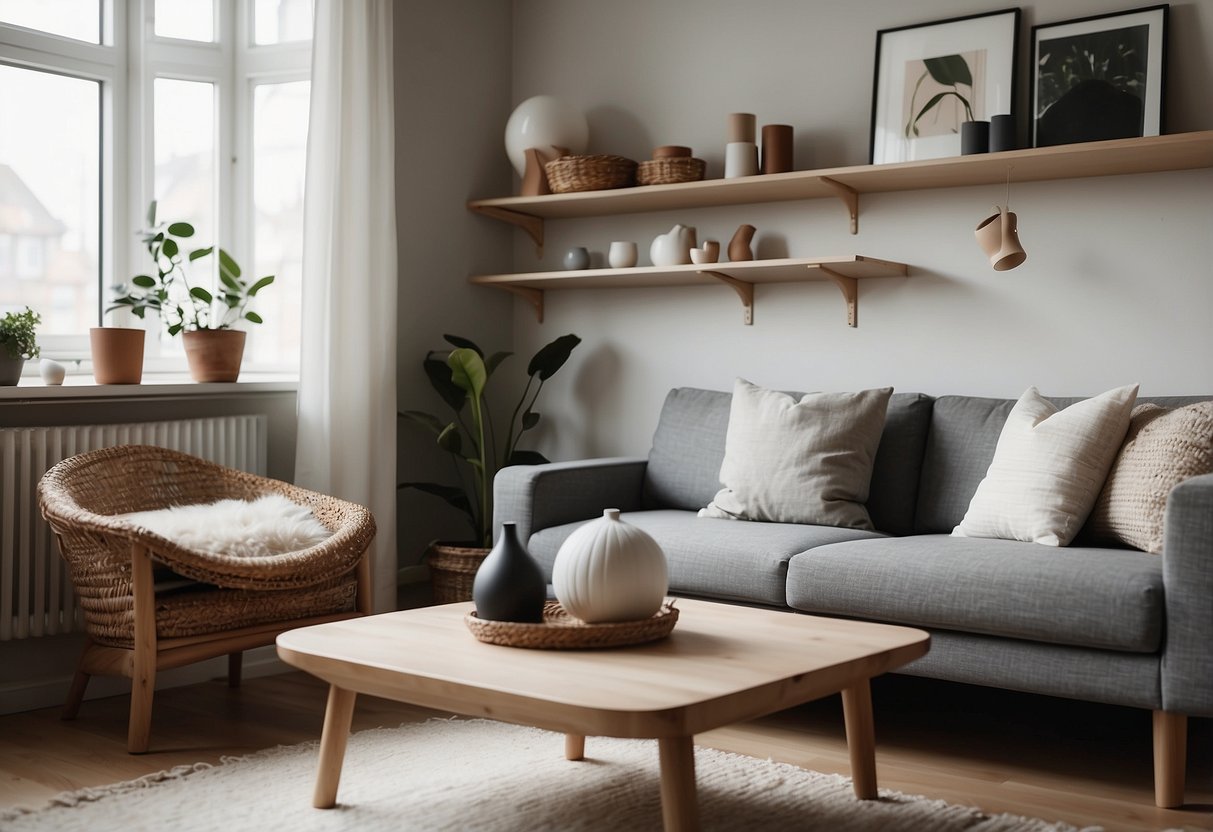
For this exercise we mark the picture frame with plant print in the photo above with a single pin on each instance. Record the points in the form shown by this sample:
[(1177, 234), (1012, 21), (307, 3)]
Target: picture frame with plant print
[(1099, 78), (932, 77)]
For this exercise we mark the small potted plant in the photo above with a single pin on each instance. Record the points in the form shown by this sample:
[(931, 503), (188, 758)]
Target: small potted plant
[(461, 376), (17, 343), (204, 319)]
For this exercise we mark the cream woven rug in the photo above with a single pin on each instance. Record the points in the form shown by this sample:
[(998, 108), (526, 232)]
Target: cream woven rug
[(483, 775)]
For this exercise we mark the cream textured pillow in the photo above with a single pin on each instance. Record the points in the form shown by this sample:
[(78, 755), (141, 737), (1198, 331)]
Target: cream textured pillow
[(799, 462), (1048, 468), (1163, 448)]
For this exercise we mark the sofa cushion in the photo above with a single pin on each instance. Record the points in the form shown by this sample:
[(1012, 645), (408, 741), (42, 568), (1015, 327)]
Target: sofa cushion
[(1163, 448), (1105, 598), (688, 449), (960, 445), (1048, 468), (799, 461), (725, 559)]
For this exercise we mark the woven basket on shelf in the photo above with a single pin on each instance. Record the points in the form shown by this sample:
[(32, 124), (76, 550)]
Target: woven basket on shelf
[(670, 169), (452, 570), (590, 173)]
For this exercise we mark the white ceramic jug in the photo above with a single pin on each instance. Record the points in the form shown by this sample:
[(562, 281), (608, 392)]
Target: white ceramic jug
[(674, 247)]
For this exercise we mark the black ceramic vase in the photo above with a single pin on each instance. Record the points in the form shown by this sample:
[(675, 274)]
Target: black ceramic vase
[(509, 584)]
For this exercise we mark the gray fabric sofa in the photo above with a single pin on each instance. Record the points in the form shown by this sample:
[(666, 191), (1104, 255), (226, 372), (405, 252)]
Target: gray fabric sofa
[(1107, 625)]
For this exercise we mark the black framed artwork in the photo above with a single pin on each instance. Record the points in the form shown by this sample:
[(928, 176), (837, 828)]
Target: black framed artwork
[(932, 77), (1098, 78)]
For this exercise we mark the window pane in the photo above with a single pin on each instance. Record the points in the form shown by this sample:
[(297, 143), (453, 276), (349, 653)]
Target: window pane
[(78, 19), (281, 21), (50, 196), (186, 19), (184, 139), (280, 113)]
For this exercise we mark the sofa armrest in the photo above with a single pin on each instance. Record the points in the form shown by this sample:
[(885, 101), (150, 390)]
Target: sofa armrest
[(539, 496), (1187, 570)]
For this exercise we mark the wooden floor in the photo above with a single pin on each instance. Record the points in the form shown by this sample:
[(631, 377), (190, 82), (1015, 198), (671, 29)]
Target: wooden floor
[(1060, 760)]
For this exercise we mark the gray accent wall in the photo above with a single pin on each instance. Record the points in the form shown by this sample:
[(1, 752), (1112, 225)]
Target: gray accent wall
[(1115, 290)]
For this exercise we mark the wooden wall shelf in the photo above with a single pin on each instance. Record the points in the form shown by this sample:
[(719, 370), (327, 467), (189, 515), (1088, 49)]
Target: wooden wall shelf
[(1180, 151), (845, 272)]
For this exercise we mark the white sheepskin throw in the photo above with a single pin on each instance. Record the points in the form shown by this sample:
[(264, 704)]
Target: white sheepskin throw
[(269, 525)]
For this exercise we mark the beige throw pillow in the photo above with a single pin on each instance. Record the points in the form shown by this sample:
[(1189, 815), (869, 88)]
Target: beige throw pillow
[(799, 462), (1163, 448), (1048, 468)]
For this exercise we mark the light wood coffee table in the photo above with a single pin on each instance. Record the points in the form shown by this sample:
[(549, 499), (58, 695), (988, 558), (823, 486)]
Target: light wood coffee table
[(722, 664)]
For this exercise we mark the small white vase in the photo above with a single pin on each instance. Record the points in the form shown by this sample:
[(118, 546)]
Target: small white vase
[(622, 254), (740, 159), (609, 570), (52, 372), (674, 247)]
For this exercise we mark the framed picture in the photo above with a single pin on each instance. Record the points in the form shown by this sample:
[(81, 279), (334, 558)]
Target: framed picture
[(932, 77), (1099, 77)]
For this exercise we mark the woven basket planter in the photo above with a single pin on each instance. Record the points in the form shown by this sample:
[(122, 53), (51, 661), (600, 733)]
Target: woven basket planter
[(452, 570), (570, 174)]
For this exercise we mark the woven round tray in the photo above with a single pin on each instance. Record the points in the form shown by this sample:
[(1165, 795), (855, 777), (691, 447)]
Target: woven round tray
[(670, 169), (589, 173), (561, 631)]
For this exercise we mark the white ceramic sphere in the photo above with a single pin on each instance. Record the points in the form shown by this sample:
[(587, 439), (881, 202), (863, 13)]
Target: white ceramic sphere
[(609, 570), (52, 372), (544, 121)]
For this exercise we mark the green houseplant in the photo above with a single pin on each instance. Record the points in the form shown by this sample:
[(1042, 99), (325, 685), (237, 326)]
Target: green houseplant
[(462, 376), (203, 318), (18, 342)]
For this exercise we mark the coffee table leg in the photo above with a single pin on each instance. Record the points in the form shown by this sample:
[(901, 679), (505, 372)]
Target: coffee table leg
[(679, 807), (574, 746), (336, 732), (861, 738)]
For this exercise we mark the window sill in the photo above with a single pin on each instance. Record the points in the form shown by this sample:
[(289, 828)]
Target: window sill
[(154, 385)]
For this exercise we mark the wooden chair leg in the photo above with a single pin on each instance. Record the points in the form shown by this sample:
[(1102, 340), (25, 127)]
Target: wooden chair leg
[(234, 665), (75, 695), (1170, 758), (143, 675)]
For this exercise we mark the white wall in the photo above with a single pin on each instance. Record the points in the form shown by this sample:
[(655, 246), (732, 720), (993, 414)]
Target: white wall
[(452, 101), (1116, 288)]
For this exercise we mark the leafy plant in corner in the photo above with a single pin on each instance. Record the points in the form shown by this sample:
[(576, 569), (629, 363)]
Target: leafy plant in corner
[(17, 334), (461, 376), (183, 305)]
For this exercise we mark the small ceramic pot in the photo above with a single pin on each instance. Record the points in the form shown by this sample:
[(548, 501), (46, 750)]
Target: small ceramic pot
[(577, 258), (622, 254), (740, 159), (117, 353), (700, 256), (52, 372)]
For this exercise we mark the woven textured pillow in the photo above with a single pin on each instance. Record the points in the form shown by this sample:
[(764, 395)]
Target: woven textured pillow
[(1162, 449), (806, 461), (1048, 468)]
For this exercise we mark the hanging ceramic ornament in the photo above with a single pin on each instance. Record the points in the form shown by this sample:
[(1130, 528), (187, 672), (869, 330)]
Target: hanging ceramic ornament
[(609, 570)]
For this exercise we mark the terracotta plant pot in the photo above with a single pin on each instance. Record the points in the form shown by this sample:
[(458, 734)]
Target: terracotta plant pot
[(117, 354), (214, 354)]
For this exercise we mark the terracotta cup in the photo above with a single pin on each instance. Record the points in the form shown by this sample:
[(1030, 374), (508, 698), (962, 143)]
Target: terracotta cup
[(998, 236), (117, 354)]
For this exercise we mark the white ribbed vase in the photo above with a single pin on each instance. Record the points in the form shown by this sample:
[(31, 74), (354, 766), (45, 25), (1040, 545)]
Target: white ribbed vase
[(609, 570)]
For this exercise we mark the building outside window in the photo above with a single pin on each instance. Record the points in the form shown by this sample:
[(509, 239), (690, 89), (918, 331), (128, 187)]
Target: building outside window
[(201, 105)]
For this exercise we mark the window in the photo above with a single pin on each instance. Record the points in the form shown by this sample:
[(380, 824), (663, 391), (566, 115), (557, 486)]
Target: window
[(214, 129)]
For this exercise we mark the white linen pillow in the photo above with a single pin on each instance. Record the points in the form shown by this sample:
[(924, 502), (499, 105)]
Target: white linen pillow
[(1048, 468), (269, 525), (799, 462)]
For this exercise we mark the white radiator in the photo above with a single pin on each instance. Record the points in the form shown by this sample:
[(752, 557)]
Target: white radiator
[(36, 597)]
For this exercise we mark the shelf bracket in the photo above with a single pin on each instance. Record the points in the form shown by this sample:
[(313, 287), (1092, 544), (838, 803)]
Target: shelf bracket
[(849, 286), (744, 290), (532, 296), (532, 225), (849, 197)]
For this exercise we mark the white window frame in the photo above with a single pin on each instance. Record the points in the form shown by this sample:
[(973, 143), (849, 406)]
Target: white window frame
[(126, 62)]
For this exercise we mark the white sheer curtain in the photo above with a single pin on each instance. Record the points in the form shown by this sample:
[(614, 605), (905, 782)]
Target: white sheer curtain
[(347, 381)]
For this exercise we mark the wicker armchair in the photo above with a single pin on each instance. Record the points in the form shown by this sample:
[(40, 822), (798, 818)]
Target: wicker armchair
[(215, 604)]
